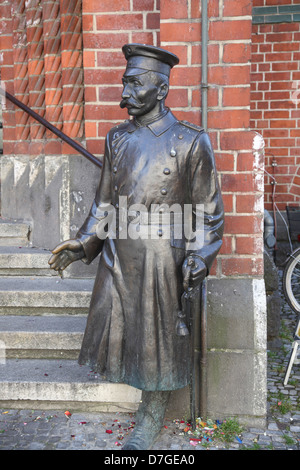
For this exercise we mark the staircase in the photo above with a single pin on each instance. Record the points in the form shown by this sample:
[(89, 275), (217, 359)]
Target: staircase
[(42, 320)]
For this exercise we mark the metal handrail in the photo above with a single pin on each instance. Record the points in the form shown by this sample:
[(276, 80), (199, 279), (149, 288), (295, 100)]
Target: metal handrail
[(79, 148)]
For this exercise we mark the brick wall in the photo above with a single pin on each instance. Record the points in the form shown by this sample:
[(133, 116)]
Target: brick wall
[(176, 25), (275, 94), (106, 27), (41, 46), (229, 52)]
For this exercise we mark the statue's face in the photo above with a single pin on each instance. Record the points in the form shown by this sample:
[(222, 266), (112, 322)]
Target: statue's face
[(141, 93)]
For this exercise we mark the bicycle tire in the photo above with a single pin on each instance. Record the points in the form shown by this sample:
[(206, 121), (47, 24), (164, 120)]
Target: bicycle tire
[(291, 281)]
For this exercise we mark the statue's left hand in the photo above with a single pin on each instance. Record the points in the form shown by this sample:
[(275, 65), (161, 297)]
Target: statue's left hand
[(194, 271)]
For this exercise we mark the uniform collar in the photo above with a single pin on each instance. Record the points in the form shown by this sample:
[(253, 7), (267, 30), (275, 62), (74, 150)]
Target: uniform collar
[(157, 127)]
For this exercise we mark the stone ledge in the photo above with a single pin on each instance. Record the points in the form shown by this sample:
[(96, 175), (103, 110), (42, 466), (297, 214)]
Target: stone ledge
[(41, 381), (44, 337), (42, 295)]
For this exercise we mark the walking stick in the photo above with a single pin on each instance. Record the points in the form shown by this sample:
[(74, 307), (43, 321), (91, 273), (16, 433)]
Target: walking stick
[(193, 302), (198, 316), (203, 350), (51, 128), (194, 308)]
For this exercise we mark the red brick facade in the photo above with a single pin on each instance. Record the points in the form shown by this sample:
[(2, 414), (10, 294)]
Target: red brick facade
[(106, 27), (41, 46), (71, 73), (275, 96)]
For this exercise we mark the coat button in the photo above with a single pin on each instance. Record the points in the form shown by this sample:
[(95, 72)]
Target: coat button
[(115, 169), (180, 136), (167, 171), (173, 153), (163, 191)]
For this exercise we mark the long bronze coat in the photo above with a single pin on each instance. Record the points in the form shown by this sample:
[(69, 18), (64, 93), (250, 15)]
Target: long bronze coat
[(131, 335)]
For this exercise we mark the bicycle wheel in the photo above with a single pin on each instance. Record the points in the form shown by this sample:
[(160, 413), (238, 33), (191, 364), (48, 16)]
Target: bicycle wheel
[(291, 281)]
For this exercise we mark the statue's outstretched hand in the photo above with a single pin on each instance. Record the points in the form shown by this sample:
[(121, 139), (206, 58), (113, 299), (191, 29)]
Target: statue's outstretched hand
[(65, 253)]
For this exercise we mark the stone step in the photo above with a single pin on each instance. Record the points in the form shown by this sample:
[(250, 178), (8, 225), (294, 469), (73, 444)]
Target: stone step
[(14, 233), (55, 384), (44, 295), (41, 337), (24, 261)]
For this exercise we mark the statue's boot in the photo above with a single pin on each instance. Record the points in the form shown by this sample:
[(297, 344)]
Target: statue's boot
[(149, 421)]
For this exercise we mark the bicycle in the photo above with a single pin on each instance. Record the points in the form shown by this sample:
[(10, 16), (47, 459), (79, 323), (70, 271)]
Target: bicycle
[(290, 283), (291, 272), (291, 290)]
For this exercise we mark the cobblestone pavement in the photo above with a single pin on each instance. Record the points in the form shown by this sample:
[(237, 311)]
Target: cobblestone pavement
[(54, 430)]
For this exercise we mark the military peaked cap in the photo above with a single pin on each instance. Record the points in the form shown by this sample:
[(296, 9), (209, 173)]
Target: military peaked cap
[(143, 58)]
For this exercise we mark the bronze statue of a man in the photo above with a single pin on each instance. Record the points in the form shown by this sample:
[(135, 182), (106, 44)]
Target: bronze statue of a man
[(156, 162)]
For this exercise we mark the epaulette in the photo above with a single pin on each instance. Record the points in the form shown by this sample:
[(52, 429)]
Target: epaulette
[(192, 126), (127, 126)]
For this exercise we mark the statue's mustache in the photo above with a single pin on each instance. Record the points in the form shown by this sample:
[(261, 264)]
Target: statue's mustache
[(130, 104)]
